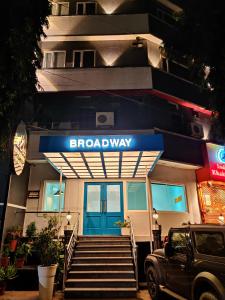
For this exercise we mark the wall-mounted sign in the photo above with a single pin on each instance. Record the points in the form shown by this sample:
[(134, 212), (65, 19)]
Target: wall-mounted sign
[(216, 156), (20, 148), (33, 194), (101, 143)]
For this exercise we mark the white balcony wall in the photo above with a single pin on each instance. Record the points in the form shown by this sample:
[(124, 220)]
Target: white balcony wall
[(126, 78), (97, 25)]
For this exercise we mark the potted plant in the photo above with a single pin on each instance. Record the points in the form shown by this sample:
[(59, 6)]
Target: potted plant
[(125, 226), (5, 255), (49, 251), (31, 231), (12, 237), (22, 251), (6, 274)]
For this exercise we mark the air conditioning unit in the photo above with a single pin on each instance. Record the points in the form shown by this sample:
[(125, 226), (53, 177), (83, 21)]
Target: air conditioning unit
[(104, 119), (197, 130)]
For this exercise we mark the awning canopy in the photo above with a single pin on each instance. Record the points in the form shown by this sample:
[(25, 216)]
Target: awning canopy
[(128, 156)]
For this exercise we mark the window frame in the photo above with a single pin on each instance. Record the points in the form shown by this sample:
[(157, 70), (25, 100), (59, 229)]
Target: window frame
[(173, 184), (82, 58), (57, 8), (147, 204), (52, 59), (43, 195), (84, 7)]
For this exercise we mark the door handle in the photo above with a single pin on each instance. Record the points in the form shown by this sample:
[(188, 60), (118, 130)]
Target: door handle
[(104, 210), (100, 206)]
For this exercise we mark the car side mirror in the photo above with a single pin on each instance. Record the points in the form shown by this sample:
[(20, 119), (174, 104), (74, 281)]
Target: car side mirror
[(168, 250)]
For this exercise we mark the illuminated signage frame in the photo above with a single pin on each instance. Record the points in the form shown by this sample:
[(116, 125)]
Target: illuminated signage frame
[(102, 143), (216, 156)]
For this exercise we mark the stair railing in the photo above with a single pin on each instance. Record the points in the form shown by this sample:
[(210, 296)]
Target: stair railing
[(69, 249), (134, 251)]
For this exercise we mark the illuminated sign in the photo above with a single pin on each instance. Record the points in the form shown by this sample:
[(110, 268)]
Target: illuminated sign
[(101, 143), (216, 155), (20, 148)]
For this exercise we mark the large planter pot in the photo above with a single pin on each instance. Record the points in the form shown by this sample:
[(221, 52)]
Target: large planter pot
[(46, 277), (2, 287), (20, 262), (125, 231), (4, 262), (12, 245)]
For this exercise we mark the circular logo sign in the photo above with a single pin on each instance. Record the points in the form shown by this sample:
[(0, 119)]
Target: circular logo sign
[(221, 155), (20, 148)]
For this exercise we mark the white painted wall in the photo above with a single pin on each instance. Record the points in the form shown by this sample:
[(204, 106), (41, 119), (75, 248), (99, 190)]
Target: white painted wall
[(74, 196)]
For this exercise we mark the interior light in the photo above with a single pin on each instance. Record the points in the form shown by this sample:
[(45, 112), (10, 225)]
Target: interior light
[(221, 219)]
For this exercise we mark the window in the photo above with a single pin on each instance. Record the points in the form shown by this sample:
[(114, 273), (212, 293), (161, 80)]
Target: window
[(84, 58), (136, 193), (52, 196), (86, 8), (54, 59), (60, 9), (210, 243), (167, 197), (179, 242)]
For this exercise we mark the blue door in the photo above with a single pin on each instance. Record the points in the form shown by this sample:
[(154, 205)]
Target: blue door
[(103, 206)]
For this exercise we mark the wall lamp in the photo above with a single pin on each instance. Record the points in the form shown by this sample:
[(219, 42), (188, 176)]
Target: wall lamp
[(68, 217)]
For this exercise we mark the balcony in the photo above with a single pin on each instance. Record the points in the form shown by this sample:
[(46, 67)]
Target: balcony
[(96, 25), (94, 79)]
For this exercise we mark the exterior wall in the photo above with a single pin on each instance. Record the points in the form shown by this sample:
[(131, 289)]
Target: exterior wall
[(74, 199)]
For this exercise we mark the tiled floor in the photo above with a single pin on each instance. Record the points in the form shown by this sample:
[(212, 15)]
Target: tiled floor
[(142, 295)]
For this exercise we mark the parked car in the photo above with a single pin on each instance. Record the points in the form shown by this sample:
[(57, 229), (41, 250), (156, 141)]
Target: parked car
[(190, 266)]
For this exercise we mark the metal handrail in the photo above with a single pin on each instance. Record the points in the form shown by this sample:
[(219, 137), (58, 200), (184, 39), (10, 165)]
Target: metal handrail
[(134, 251), (69, 250)]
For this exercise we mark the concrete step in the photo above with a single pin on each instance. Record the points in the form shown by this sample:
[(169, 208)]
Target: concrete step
[(100, 274), (101, 247), (97, 253), (103, 237), (102, 266), (103, 242), (95, 259), (100, 293), (103, 283)]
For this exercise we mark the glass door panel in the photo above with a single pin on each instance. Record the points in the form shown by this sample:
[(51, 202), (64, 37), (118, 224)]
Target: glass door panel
[(93, 198), (113, 198)]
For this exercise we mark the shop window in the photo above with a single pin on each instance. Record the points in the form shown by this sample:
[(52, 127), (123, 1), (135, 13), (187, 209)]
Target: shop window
[(210, 243), (86, 8), (167, 197), (136, 194), (60, 9), (84, 58), (54, 59), (52, 198)]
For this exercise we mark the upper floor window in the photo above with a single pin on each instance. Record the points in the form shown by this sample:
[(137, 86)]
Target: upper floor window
[(60, 9), (84, 58), (53, 199), (86, 8), (54, 59)]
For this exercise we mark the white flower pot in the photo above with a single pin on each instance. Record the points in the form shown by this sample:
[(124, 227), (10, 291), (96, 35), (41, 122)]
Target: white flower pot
[(125, 231), (46, 277)]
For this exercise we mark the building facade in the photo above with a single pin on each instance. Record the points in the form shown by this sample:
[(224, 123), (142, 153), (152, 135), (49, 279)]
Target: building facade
[(122, 124)]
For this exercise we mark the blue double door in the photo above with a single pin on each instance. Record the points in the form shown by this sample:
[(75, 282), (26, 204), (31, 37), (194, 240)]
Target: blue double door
[(103, 206)]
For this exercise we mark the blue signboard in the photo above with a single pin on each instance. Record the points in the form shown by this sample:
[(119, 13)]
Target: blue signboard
[(101, 143)]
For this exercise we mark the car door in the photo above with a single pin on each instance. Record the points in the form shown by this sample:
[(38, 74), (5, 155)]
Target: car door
[(178, 270)]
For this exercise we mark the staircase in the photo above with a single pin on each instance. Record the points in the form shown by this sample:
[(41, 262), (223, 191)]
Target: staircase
[(101, 267)]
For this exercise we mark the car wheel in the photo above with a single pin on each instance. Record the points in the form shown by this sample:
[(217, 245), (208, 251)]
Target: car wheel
[(153, 286), (208, 296)]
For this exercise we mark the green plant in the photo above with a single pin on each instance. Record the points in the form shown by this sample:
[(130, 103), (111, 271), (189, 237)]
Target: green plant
[(8, 273), (14, 233), (31, 230), (23, 250), (47, 247), (124, 224), (5, 250)]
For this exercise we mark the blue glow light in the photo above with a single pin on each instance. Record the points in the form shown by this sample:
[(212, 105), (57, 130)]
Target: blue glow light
[(221, 155)]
